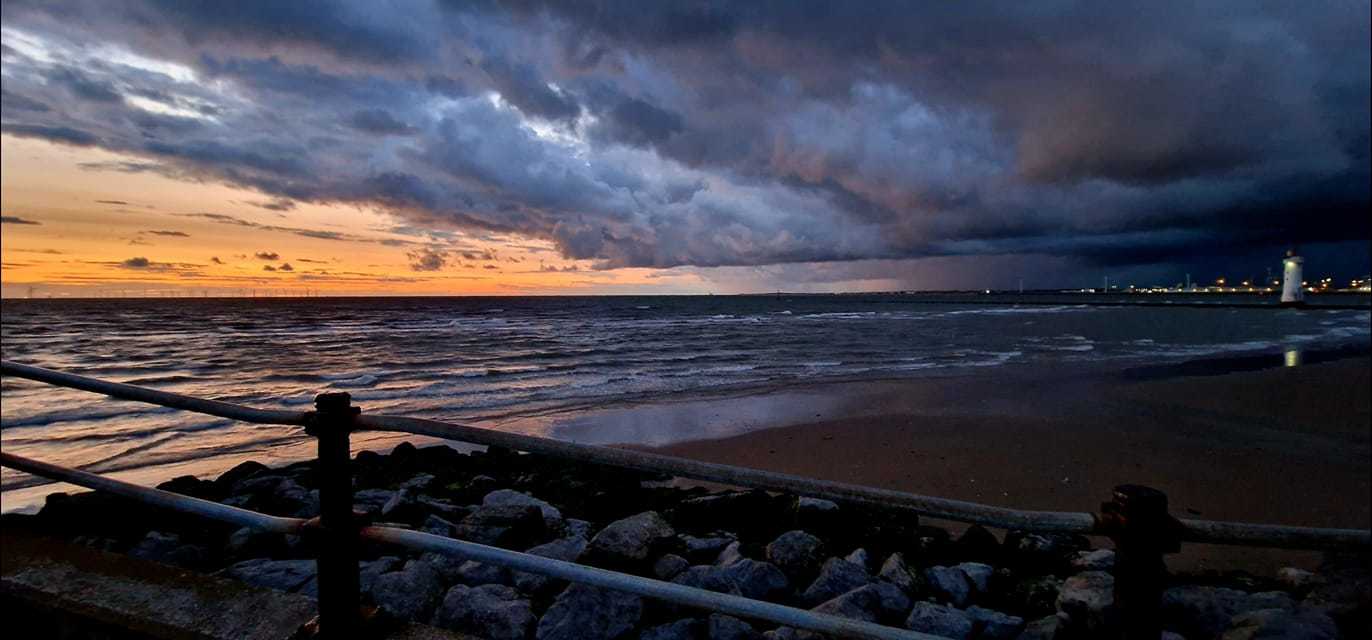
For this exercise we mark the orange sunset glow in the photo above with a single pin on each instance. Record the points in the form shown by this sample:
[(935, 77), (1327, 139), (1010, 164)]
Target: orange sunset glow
[(80, 232)]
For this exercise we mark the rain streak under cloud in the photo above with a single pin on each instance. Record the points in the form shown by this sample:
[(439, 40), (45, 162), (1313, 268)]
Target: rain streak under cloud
[(834, 141)]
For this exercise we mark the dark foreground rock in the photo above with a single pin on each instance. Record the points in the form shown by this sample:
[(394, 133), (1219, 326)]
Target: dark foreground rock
[(836, 558)]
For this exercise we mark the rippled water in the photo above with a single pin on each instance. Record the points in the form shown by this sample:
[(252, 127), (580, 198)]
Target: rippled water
[(497, 359)]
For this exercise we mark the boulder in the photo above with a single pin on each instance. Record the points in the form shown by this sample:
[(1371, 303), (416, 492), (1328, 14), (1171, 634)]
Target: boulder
[(167, 548), (948, 584), (684, 629), (247, 542), (511, 526), (370, 501), (1097, 560), (409, 594), (979, 575), (495, 612), (630, 542), (438, 526), (708, 577), (583, 611), (1295, 580), (704, 550), (475, 574), (1045, 628), (668, 566), (722, 627), (876, 602), (977, 544), (994, 625), (896, 572), (731, 554), (836, 577), (815, 514), (757, 580), (1205, 611), (1040, 553), (939, 620), (797, 553), (1088, 600), (1035, 595), (861, 558), (282, 575), (569, 549), (552, 517), (1305, 623)]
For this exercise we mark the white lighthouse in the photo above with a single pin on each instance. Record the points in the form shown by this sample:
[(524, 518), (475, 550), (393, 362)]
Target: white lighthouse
[(1291, 273)]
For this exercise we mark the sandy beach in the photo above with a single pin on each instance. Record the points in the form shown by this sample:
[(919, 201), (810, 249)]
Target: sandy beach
[(1283, 445)]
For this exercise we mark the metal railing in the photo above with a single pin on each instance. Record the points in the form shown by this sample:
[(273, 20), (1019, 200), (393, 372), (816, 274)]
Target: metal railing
[(1135, 518)]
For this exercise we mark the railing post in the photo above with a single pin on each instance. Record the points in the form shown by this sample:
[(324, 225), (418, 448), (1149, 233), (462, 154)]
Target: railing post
[(1136, 519), (339, 603)]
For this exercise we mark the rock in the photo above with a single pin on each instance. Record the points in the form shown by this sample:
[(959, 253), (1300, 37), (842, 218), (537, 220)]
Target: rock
[(979, 575), (510, 526), (583, 611), (994, 625), (861, 558), (1305, 623), (896, 572), (1040, 553), (275, 494), (370, 501), (282, 575), (574, 528), (685, 629), (418, 483), (875, 602), (731, 554), (708, 577), (948, 584), (668, 566), (1293, 579), (630, 542), (475, 574), (167, 548), (247, 542), (438, 526), (552, 518), (409, 594), (722, 627), (1045, 628), (783, 633), (797, 553), (1098, 560), (939, 620), (1206, 611), (569, 549), (226, 481), (836, 577), (1343, 589), (815, 505), (704, 550), (1035, 595), (757, 580), (978, 545), (368, 572), (489, 611), (1088, 599)]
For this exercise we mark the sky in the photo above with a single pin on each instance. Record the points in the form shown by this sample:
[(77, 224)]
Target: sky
[(180, 147)]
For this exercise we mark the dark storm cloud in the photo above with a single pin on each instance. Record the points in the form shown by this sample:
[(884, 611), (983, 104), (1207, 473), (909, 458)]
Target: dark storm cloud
[(716, 134), (267, 255), (173, 234), (17, 220)]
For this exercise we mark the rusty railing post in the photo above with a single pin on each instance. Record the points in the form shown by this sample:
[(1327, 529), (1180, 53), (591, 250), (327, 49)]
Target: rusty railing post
[(1136, 519), (339, 601)]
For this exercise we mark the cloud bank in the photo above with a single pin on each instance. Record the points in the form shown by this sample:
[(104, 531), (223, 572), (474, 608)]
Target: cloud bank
[(738, 134)]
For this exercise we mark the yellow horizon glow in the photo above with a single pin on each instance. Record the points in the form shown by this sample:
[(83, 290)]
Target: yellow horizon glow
[(90, 222)]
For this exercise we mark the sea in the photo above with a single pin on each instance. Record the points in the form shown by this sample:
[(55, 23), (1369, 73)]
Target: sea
[(510, 362)]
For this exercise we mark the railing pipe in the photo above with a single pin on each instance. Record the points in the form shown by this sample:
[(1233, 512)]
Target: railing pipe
[(1039, 521), (671, 592), (152, 396), (155, 497)]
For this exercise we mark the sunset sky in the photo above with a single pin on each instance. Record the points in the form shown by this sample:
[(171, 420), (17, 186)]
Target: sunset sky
[(425, 147)]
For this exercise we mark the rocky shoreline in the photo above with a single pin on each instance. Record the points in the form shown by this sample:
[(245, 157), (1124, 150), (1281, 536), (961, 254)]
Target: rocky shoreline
[(848, 560)]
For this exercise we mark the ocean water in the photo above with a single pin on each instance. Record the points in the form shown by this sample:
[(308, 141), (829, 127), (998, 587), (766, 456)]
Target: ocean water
[(500, 361)]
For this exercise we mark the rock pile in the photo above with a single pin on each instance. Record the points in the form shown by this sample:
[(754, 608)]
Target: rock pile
[(844, 560)]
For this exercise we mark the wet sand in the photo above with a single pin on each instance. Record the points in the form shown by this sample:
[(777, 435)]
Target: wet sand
[(1287, 445)]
